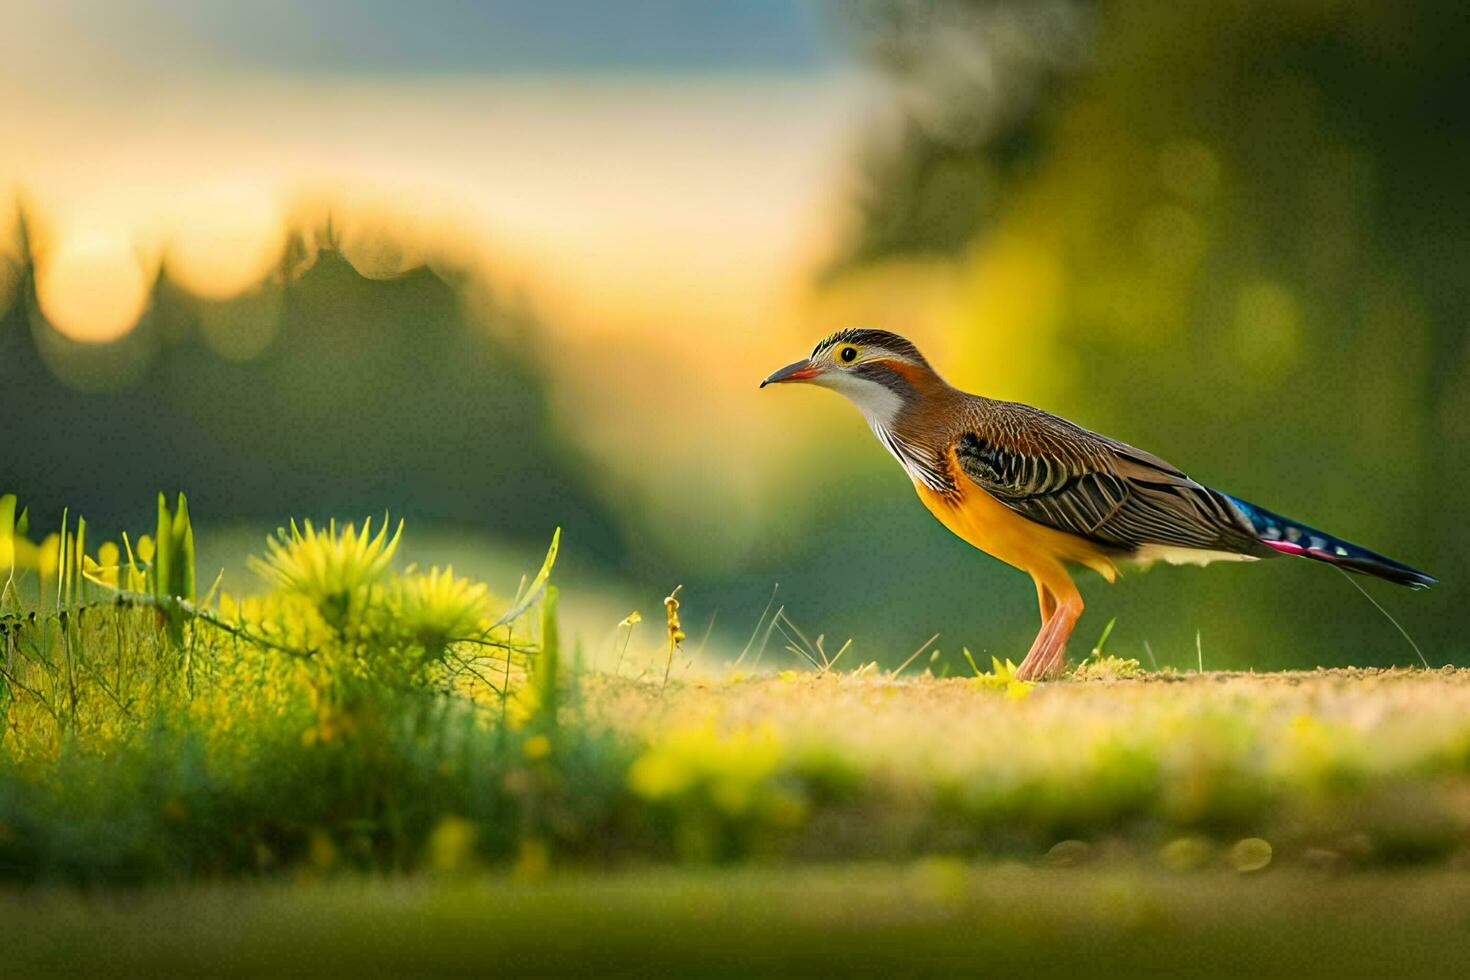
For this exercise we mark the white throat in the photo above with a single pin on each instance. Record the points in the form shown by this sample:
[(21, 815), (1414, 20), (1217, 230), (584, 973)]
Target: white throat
[(879, 404)]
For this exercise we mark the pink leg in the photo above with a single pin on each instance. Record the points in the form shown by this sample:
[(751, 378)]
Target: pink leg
[(1048, 653)]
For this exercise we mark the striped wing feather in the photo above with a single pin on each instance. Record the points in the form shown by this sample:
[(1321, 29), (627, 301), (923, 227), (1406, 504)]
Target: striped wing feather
[(1065, 477)]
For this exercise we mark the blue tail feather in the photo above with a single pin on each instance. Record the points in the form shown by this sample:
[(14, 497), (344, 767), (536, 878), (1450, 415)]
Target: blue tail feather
[(1290, 537)]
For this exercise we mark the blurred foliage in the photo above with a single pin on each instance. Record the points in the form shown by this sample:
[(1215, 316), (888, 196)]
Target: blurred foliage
[(359, 717), (148, 734), (974, 85), (930, 918), (364, 393), (1234, 237)]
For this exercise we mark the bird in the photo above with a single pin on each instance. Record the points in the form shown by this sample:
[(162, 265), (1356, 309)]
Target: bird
[(1045, 495)]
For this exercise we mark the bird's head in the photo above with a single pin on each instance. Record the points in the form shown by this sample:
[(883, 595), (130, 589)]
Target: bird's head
[(878, 371)]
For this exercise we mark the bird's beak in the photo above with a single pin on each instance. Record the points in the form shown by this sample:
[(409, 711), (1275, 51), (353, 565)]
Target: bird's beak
[(801, 370)]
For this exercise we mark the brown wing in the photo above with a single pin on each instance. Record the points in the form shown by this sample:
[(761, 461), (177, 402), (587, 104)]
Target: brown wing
[(1065, 477)]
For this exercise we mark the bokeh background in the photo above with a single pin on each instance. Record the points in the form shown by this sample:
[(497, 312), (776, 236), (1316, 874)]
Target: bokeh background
[(498, 267)]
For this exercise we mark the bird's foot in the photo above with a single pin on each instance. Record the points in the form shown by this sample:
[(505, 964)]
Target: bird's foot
[(1048, 653), (1043, 663)]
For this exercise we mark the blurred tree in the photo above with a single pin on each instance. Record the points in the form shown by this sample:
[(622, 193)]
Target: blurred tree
[(1232, 233), (336, 395), (973, 86)]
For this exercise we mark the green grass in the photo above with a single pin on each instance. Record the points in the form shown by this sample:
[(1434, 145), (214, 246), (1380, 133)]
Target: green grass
[(354, 716), (1352, 768), (927, 917), (371, 767), (1333, 769)]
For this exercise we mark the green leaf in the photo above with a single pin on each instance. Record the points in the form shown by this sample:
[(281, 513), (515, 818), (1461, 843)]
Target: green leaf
[(181, 563), (531, 593), (61, 560), (548, 664), (78, 591), (163, 548), (125, 583), (1097, 651), (7, 541), (973, 666)]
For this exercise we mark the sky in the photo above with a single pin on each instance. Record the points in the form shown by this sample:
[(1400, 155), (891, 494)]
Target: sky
[(440, 37), (473, 36), (606, 140)]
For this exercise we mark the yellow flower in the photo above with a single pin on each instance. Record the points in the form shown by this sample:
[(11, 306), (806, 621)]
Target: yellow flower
[(734, 773), (434, 607), (536, 747), (659, 775), (1002, 677), (48, 556), (105, 568), (331, 568), (671, 614), (521, 706)]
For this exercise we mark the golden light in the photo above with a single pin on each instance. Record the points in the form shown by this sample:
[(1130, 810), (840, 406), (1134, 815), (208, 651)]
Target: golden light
[(607, 205), (383, 238), (92, 287), (225, 241), (9, 259), (377, 252), (1008, 316)]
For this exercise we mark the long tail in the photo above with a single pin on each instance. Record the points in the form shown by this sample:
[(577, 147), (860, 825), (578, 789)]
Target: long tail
[(1291, 538)]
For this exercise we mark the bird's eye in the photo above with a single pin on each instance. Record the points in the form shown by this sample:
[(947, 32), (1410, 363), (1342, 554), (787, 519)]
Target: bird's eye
[(848, 354)]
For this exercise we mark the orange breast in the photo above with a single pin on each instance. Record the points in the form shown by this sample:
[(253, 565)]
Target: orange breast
[(980, 519)]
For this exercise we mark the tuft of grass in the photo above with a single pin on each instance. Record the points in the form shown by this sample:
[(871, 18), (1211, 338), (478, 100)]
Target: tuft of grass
[(433, 608), (1002, 676), (428, 726), (335, 571), (1104, 665), (1108, 666), (813, 652), (235, 734)]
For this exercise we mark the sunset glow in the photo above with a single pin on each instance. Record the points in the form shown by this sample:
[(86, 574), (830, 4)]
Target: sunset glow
[(224, 240), (92, 287)]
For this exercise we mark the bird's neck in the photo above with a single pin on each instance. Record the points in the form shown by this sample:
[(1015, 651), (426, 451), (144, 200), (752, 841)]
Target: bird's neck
[(908, 414), (888, 391)]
